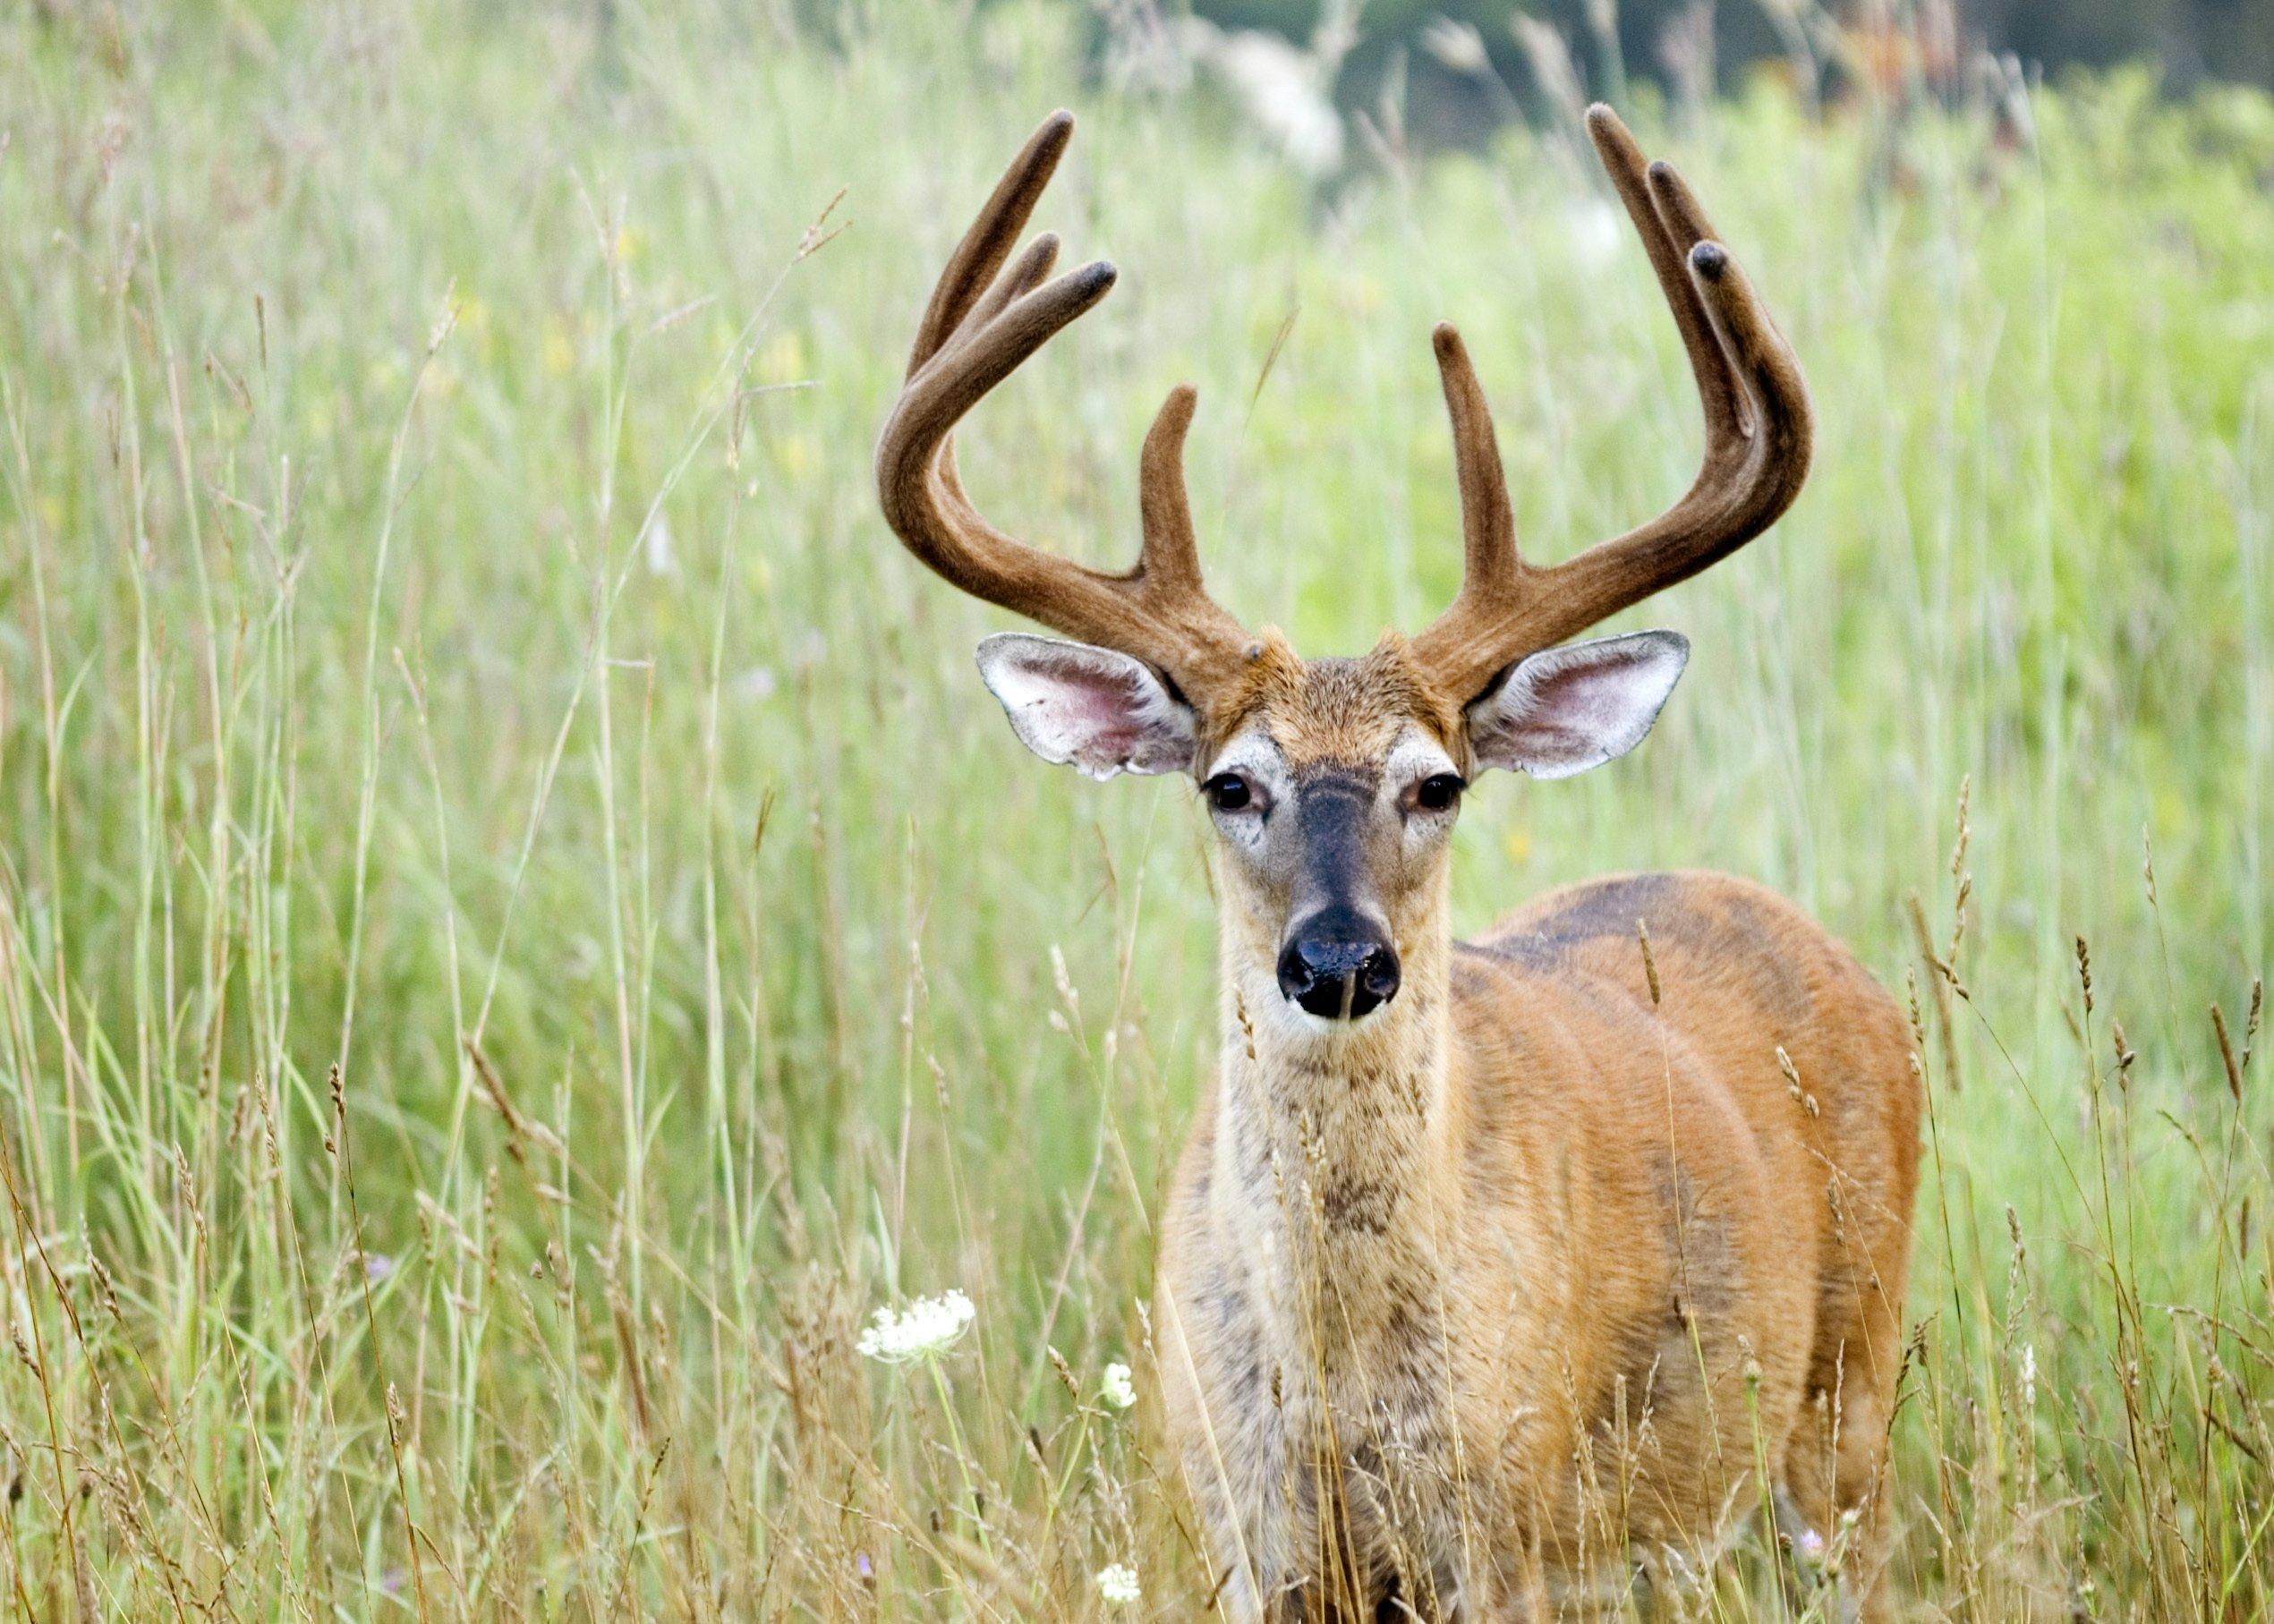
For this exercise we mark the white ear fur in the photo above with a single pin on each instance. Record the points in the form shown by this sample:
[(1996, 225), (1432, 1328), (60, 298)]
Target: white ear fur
[(1100, 711), (1564, 711)]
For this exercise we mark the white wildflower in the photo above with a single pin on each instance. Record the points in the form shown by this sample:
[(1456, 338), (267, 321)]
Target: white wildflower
[(1120, 1389), (923, 1329), (2029, 1375), (1118, 1584)]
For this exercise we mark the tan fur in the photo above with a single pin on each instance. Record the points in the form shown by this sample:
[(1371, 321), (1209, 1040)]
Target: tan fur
[(1487, 1295)]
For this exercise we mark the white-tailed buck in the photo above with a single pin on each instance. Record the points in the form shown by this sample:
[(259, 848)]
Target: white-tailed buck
[(1500, 1278)]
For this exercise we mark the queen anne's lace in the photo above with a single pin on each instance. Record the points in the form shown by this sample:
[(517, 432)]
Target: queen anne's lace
[(923, 1329), (1119, 1583), (1119, 1388)]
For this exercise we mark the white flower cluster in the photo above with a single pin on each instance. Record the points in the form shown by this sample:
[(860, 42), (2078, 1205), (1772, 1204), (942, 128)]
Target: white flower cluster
[(923, 1329), (1118, 1584), (1116, 1385)]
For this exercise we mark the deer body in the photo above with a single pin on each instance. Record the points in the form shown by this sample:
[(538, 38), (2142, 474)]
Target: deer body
[(1498, 1276), (1470, 1306)]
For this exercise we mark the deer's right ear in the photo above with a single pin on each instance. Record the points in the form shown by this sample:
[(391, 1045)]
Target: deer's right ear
[(1100, 711)]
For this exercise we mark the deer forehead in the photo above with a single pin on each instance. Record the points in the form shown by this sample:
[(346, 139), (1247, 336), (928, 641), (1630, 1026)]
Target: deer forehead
[(1348, 712)]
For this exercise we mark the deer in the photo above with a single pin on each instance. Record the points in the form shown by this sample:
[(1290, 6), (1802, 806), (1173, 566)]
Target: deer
[(1498, 1279)]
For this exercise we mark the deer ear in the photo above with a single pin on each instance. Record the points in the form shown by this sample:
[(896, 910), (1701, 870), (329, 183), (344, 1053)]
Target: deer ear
[(1100, 711), (1564, 711)]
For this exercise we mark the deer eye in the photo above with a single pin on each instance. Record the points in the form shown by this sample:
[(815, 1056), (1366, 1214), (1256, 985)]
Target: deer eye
[(1438, 791), (1229, 792)]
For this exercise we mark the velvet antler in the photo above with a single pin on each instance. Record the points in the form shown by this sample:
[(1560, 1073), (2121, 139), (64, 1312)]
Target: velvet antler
[(982, 321), (1757, 432)]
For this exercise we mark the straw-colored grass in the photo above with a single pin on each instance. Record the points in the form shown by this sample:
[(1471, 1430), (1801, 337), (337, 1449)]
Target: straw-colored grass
[(519, 928)]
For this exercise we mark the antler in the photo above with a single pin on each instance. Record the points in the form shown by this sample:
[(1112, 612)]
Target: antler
[(1757, 432), (977, 329)]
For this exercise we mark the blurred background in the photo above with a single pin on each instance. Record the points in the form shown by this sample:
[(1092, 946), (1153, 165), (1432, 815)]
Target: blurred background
[(1437, 54), (520, 929)]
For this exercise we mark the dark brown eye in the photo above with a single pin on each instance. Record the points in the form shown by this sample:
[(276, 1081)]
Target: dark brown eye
[(1229, 792), (1436, 793)]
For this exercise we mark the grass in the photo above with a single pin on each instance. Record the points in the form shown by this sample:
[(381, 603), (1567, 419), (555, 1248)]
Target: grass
[(519, 928)]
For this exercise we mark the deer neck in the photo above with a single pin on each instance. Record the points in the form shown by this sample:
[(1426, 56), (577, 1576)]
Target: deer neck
[(1336, 1167)]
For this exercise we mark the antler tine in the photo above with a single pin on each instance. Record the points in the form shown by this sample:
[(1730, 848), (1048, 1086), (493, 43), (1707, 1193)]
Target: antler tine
[(1170, 556), (982, 321), (1026, 274), (988, 242), (1490, 566), (1759, 431), (1668, 234)]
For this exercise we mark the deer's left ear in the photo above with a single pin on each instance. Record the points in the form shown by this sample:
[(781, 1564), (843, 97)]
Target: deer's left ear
[(1564, 711), (1100, 711)]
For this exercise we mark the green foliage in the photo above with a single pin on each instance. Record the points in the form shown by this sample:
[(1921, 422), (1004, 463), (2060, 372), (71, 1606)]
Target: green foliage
[(445, 632)]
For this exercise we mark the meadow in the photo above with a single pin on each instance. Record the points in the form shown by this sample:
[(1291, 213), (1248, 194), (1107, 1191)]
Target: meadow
[(520, 928)]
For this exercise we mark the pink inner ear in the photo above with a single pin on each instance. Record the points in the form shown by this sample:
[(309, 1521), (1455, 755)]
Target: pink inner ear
[(1103, 706), (1567, 709), (1574, 707), (1100, 711)]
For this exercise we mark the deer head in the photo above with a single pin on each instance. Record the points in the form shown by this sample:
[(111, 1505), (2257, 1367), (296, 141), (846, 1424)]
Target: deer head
[(1333, 784)]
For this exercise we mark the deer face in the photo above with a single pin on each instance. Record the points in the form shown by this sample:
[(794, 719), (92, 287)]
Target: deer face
[(1333, 785)]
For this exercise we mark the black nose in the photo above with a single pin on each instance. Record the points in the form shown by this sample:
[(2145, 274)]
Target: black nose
[(1338, 966)]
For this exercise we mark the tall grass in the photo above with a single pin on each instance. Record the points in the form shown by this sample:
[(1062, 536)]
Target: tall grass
[(519, 929)]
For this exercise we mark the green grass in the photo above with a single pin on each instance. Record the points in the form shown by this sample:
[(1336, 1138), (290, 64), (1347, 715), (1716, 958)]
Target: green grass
[(519, 927)]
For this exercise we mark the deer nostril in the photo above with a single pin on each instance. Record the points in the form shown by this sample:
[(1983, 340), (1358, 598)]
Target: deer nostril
[(1337, 973)]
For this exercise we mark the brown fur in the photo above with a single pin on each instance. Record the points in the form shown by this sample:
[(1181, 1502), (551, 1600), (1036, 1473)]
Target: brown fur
[(1475, 1304)]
